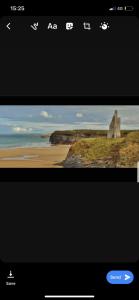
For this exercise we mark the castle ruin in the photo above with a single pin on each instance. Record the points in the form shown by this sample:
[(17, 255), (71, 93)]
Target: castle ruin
[(114, 127)]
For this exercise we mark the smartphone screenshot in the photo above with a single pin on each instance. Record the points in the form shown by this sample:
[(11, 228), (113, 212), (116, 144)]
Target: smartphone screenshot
[(69, 150)]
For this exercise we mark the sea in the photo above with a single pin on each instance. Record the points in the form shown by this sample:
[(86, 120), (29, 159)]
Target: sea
[(23, 141)]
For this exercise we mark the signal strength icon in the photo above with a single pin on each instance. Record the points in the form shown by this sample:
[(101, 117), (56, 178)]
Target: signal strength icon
[(113, 8)]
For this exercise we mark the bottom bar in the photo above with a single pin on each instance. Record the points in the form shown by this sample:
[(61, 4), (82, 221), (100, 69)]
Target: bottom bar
[(69, 296)]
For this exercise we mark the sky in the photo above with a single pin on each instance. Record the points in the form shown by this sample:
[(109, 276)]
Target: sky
[(46, 119)]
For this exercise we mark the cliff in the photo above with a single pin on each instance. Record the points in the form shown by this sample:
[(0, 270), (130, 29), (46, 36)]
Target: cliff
[(72, 136), (104, 153)]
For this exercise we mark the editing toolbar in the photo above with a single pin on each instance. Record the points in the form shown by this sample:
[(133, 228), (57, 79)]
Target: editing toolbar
[(69, 31), (36, 25)]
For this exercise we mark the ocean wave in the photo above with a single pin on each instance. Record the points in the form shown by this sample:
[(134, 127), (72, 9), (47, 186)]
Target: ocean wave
[(30, 145)]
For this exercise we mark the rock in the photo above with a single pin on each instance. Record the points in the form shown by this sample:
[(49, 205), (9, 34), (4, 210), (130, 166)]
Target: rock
[(44, 136), (62, 139), (73, 161)]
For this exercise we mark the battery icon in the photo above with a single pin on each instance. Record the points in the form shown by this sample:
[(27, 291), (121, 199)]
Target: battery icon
[(129, 8)]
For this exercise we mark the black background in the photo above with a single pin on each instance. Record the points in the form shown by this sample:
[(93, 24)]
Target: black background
[(56, 222)]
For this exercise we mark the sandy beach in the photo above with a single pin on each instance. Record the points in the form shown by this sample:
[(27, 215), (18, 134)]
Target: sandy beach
[(49, 157)]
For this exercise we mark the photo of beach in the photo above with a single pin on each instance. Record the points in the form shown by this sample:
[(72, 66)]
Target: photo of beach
[(69, 136)]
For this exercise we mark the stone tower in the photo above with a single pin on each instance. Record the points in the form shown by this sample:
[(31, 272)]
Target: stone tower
[(114, 128)]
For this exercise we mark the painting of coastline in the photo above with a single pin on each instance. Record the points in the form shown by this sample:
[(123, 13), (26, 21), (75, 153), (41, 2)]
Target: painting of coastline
[(69, 136)]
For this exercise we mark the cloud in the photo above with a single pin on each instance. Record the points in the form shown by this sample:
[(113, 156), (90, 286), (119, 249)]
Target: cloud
[(79, 115), (21, 129), (45, 114)]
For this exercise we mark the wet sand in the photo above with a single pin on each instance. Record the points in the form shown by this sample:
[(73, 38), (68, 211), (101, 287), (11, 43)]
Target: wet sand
[(50, 157)]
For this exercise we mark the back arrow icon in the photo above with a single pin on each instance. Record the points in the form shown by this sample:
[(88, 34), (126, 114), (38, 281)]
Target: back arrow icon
[(8, 26)]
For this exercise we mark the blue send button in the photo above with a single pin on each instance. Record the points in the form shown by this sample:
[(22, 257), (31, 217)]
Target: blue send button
[(120, 277)]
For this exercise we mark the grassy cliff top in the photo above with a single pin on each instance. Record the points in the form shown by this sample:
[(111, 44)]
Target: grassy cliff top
[(80, 131), (96, 148), (86, 132), (121, 151), (133, 136)]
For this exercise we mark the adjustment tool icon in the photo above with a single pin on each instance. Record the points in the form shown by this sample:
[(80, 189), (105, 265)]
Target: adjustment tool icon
[(104, 26)]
